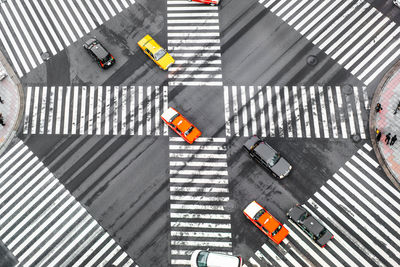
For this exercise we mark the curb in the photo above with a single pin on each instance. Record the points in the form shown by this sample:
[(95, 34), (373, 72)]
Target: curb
[(17, 123), (372, 124)]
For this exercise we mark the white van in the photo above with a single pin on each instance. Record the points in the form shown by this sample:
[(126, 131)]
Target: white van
[(203, 258)]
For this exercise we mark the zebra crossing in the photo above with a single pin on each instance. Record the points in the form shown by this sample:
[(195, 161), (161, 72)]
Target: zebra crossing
[(42, 224), (32, 30), (95, 110), (354, 33), (359, 207), (295, 111), (199, 192), (194, 42)]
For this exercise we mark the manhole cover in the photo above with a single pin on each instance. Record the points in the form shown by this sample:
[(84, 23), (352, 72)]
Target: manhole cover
[(45, 55), (230, 206), (356, 138), (347, 89), (312, 60)]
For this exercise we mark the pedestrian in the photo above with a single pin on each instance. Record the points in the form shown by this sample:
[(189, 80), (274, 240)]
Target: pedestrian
[(1, 100), (397, 109), (2, 119), (378, 136), (387, 139), (378, 107), (394, 138)]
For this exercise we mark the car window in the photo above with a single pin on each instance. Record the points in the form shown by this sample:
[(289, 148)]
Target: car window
[(265, 229), (274, 159), (259, 214), (148, 51), (202, 259), (159, 54), (277, 230), (189, 130)]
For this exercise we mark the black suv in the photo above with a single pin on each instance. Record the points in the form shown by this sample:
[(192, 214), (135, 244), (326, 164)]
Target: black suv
[(310, 225), (267, 157), (99, 53)]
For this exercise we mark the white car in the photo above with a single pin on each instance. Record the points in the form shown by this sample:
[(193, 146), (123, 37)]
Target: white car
[(396, 2), (204, 258)]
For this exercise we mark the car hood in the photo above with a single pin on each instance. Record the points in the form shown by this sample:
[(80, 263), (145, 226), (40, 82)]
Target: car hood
[(295, 213), (324, 238), (166, 61), (282, 167), (251, 142), (281, 235), (193, 135)]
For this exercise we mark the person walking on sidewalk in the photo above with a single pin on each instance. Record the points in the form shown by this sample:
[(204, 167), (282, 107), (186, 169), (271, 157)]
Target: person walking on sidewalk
[(387, 139), (394, 138), (397, 109), (378, 135), (2, 119), (378, 107)]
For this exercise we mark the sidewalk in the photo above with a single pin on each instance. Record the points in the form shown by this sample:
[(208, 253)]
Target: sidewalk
[(12, 109), (388, 95)]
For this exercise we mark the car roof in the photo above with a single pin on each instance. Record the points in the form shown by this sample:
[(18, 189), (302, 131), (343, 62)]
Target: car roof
[(313, 225), (182, 123), (268, 221), (97, 48), (265, 151)]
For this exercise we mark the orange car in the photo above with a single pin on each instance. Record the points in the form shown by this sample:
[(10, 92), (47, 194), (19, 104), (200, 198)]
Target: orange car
[(180, 125), (265, 222)]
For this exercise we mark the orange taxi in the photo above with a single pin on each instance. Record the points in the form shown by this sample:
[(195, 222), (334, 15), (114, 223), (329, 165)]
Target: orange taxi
[(180, 125), (265, 222)]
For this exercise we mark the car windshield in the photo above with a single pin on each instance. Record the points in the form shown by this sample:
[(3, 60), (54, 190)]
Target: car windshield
[(159, 54), (303, 216), (322, 233), (174, 117), (189, 130), (277, 230), (274, 159), (259, 214), (202, 259), (106, 59)]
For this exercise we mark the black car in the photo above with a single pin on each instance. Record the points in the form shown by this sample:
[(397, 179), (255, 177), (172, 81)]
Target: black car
[(310, 225), (99, 53), (267, 157)]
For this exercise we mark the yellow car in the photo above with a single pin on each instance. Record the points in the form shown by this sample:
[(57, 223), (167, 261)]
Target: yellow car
[(156, 52)]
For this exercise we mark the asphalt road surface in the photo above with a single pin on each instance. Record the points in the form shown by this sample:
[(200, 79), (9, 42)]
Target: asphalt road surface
[(98, 132)]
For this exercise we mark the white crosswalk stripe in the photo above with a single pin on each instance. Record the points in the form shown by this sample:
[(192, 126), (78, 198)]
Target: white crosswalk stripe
[(118, 110), (199, 191), (295, 112), (354, 33), (191, 24), (359, 208), (26, 38), (41, 222)]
